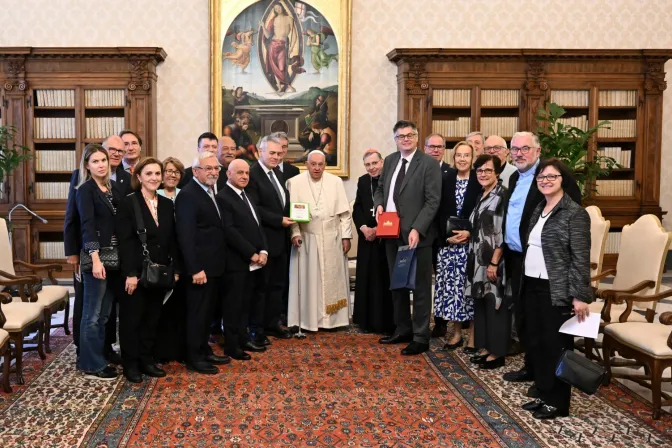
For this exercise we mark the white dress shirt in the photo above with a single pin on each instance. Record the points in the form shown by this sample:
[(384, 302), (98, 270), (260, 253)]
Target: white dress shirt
[(391, 206), (535, 265), (239, 192)]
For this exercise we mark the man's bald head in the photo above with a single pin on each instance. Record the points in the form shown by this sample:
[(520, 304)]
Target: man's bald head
[(238, 173), (226, 152), (115, 148), (496, 146)]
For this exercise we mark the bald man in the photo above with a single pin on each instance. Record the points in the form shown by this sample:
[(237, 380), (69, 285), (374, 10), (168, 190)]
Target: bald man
[(496, 146)]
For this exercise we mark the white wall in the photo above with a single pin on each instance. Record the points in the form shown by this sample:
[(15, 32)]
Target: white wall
[(181, 28)]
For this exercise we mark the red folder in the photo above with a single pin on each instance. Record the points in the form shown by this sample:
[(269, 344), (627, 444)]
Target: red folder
[(388, 225)]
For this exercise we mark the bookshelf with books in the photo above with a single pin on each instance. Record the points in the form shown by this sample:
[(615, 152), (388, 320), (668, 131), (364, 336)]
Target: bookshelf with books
[(66, 98), (624, 87)]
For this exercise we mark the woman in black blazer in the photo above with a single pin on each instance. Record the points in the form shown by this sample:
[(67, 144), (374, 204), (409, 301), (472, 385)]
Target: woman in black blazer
[(97, 205), (458, 199), (140, 307)]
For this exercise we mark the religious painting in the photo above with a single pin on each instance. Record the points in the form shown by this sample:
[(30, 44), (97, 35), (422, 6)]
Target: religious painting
[(282, 66)]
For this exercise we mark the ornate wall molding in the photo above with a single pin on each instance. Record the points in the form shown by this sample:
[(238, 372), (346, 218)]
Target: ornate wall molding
[(15, 69), (654, 77), (536, 81), (417, 82)]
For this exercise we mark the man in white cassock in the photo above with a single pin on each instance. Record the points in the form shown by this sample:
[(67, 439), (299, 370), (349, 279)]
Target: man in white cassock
[(318, 277)]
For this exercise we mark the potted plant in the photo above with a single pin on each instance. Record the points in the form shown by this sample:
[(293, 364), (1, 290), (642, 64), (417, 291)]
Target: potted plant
[(11, 155), (572, 145)]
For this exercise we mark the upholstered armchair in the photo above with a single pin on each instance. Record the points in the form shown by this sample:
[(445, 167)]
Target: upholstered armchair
[(5, 352), (599, 231)]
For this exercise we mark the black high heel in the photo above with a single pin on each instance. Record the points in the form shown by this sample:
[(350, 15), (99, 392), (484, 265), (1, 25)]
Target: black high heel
[(470, 350), (478, 359), (454, 346)]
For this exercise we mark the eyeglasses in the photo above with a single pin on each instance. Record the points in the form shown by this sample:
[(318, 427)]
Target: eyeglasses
[(173, 173), (548, 177), (485, 171), (463, 156), (410, 136), (435, 147), (493, 149), (522, 149), (116, 151), (210, 169)]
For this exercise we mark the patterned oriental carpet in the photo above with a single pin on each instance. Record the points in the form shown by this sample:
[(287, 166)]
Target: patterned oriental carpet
[(330, 389)]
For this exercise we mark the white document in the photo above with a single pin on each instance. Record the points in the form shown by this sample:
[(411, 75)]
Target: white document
[(167, 296), (254, 267), (587, 329)]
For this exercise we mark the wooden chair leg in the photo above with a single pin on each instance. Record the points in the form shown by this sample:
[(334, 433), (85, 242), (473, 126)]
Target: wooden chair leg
[(656, 376), (5, 369), (606, 356), (18, 356), (66, 317), (588, 346), (40, 340), (47, 329)]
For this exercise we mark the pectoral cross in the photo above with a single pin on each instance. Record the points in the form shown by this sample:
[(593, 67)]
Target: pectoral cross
[(373, 213)]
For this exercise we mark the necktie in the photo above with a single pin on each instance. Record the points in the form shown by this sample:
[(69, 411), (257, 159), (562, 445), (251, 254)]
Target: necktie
[(399, 181), (244, 196), (275, 186), (214, 201)]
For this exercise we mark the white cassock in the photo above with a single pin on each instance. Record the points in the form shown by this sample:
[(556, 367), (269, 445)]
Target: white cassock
[(321, 270)]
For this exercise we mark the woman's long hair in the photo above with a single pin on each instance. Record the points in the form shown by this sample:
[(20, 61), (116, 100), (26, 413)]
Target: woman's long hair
[(84, 173)]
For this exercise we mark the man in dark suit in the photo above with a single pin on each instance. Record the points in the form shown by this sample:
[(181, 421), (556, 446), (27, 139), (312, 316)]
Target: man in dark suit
[(523, 198), (435, 146), (287, 169), (121, 181), (411, 186), (201, 237), (246, 259), (267, 190), (207, 141)]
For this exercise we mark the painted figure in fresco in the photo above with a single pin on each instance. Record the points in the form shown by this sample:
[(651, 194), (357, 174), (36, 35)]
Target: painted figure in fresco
[(243, 46), (319, 111), (316, 41), (281, 58)]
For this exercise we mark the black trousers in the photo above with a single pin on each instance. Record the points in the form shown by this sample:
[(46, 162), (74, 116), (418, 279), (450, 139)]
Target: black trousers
[(201, 300), (515, 263), (110, 327), (492, 327), (418, 324), (545, 343), (269, 302), (236, 306), (139, 316)]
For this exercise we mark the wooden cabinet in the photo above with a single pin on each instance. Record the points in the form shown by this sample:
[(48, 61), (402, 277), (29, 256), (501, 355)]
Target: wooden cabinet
[(59, 100), (500, 92)]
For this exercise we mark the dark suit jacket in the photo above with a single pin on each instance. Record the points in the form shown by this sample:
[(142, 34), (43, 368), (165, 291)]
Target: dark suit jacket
[(263, 195), (448, 206), (244, 236), (289, 170), (200, 231), (534, 197), (161, 240), (445, 168), (419, 197), (189, 174), (71, 229), (96, 215)]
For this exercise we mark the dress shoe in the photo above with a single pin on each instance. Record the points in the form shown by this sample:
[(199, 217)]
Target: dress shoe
[(252, 347), (107, 374), (493, 363), (218, 360), (415, 348), (478, 359), (152, 370), (278, 332), (518, 376), (470, 350), (261, 341), (239, 355), (113, 358), (454, 346), (132, 374), (533, 392), (396, 339), (533, 405), (547, 412), (203, 367)]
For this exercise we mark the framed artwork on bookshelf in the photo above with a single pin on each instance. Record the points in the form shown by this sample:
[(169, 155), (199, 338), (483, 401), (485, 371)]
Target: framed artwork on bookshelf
[(282, 65)]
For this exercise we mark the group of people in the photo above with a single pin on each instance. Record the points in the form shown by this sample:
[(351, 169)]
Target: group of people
[(508, 242)]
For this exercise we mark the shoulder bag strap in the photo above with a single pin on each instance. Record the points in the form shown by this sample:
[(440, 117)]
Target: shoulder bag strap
[(140, 224)]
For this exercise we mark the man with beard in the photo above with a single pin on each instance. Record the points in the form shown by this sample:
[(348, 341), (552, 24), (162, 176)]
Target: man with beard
[(207, 141)]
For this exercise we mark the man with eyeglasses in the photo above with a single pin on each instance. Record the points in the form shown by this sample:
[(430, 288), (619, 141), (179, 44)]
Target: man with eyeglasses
[(477, 140), (201, 236), (523, 198), (208, 141), (496, 146), (121, 181), (410, 185), (133, 148), (435, 146)]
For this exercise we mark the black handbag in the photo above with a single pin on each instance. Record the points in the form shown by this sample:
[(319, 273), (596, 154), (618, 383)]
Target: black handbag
[(154, 275), (580, 372), (455, 223), (109, 256)]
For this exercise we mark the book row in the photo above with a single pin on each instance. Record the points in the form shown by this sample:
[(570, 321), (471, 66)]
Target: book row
[(623, 158), (615, 187), (502, 126), (459, 127), (618, 98), (580, 122), (613, 243), (619, 129), (508, 97), (51, 190), (55, 98), (55, 161), (454, 97), (52, 250), (104, 98), (101, 127), (570, 98), (53, 127)]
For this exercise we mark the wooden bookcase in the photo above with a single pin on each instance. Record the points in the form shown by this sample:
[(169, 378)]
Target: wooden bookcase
[(60, 99), (506, 88)]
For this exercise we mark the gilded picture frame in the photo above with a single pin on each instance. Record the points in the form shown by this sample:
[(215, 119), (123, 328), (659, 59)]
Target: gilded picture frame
[(283, 65)]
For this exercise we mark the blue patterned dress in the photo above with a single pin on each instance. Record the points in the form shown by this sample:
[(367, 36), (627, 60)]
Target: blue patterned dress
[(451, 272)]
